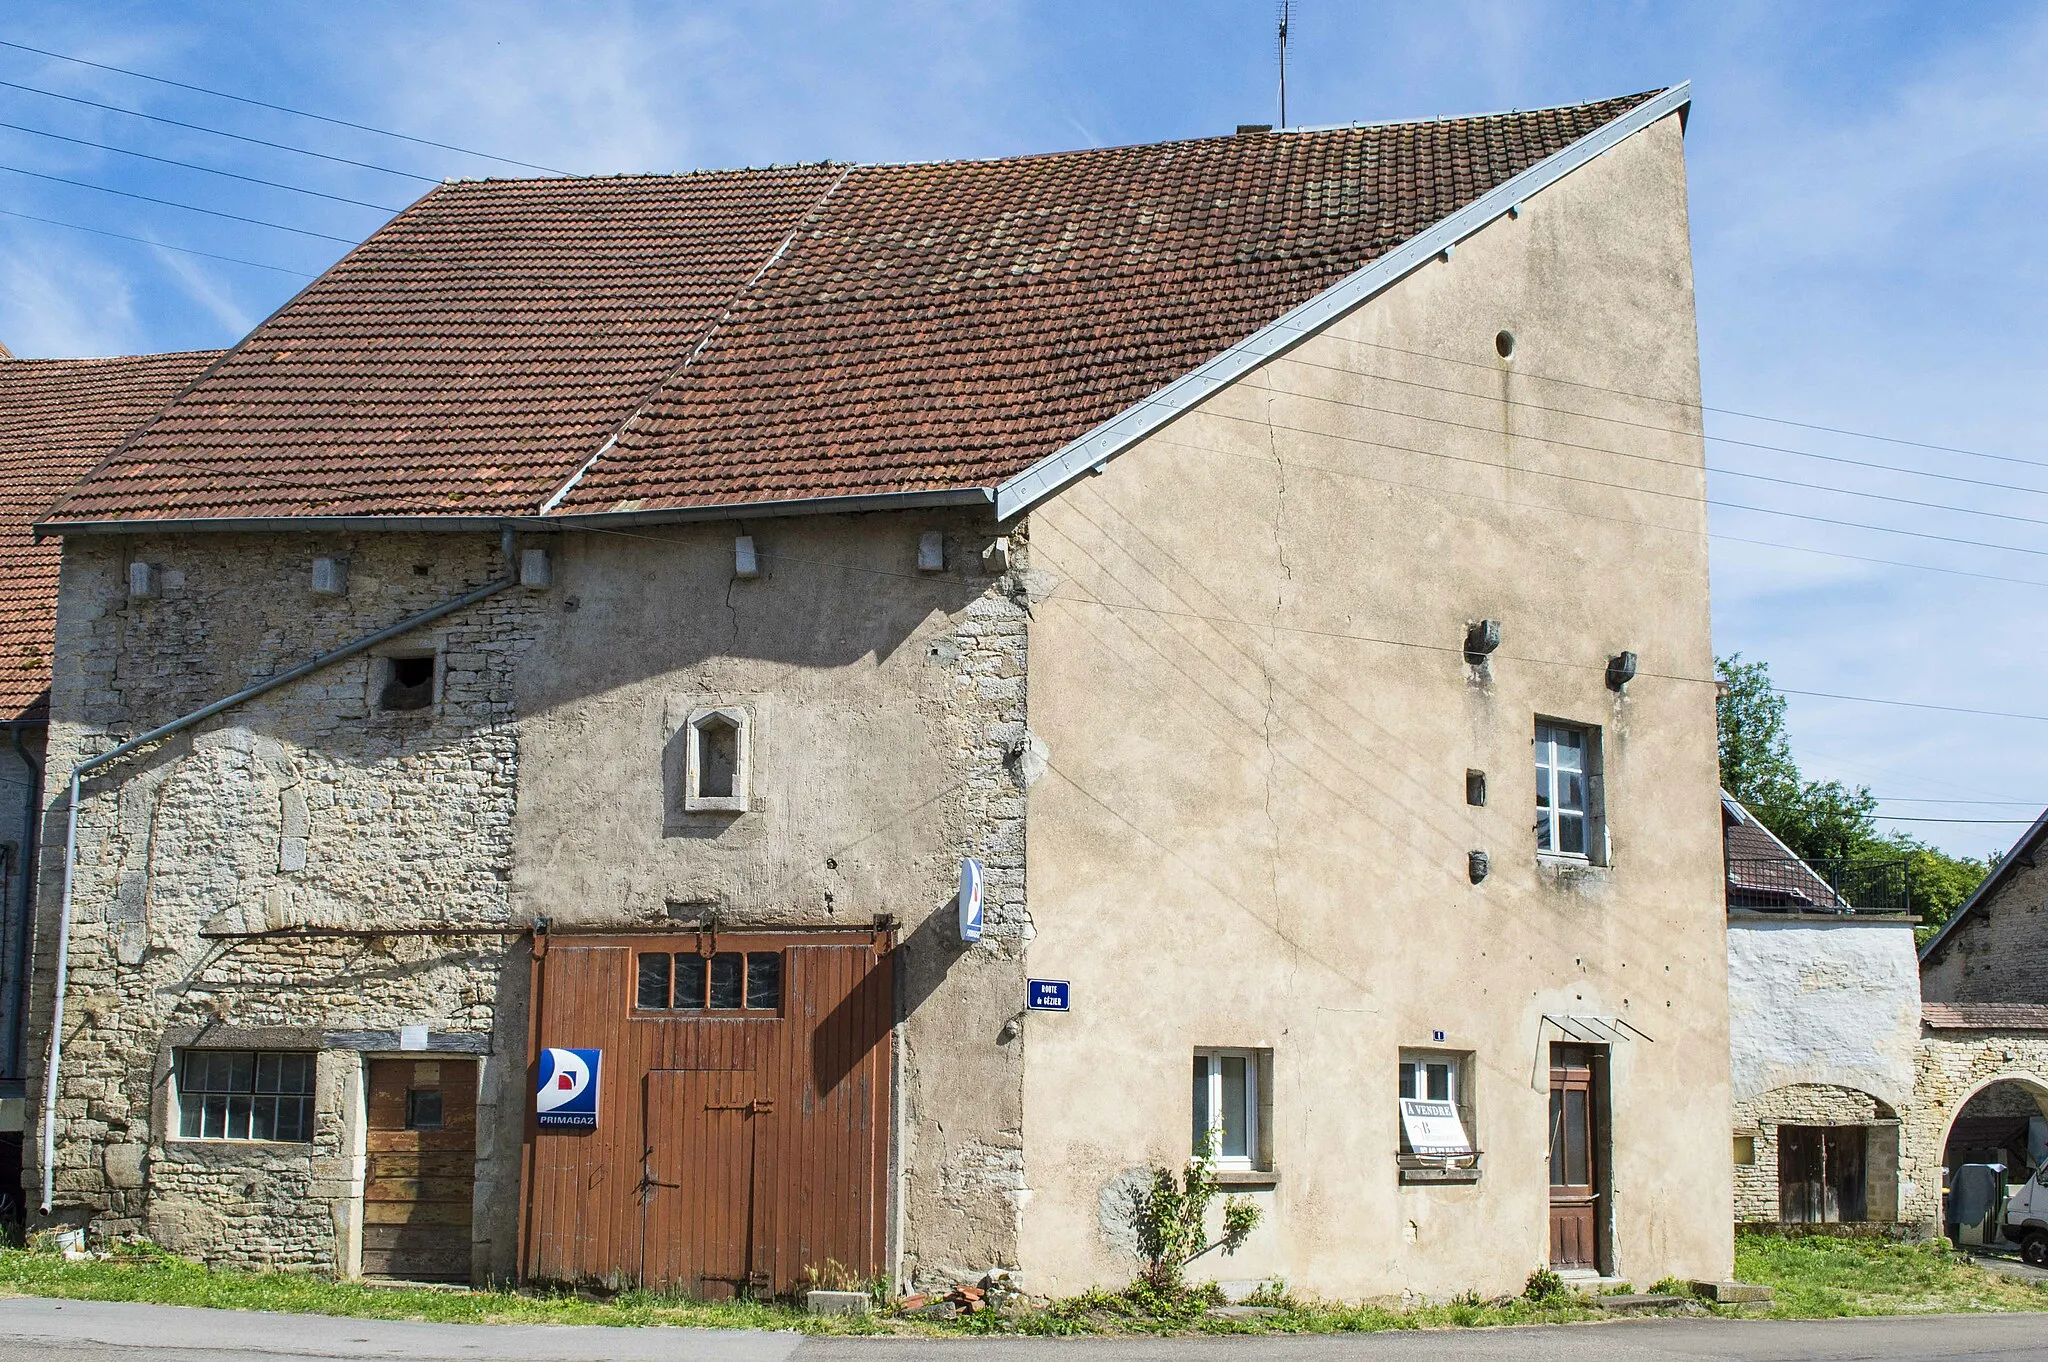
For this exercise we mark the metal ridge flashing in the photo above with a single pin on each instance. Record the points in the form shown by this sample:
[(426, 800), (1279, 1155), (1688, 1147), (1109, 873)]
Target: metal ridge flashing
[(1024, 490)]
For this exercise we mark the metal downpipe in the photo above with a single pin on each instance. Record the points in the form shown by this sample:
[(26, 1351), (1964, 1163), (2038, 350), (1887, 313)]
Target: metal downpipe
[(177, 725)]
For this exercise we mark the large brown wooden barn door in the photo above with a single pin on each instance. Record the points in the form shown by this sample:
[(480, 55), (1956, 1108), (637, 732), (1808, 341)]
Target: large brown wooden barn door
[(1575, 1155), (699, 1203), (421, 1174)]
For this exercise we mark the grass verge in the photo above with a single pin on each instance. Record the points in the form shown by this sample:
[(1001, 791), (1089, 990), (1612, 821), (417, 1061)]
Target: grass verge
[(1822, 1278), (1815, 1278)]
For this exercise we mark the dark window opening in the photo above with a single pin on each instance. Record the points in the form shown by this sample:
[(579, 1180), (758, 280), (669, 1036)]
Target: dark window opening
[(729, 981), (423, 1109), (410, 684), (245, 1095), (718, 758), (654, 979), (727, 986), (764, 980)]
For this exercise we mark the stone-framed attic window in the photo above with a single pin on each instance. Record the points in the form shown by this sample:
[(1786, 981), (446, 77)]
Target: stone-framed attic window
[(717, 761)]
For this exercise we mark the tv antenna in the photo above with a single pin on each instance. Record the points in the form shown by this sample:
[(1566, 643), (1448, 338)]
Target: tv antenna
[(1285, 7)]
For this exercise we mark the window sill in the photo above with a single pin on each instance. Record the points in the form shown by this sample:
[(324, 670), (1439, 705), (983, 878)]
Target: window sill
[(1417, 1171), (1247, 1178)]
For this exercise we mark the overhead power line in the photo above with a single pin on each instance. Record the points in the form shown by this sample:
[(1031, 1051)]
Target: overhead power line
[(206, 170), (1701, 406), (1895, 818), (188, 207), (160, 245), (217, 132), (1526, 405), (281, 108)]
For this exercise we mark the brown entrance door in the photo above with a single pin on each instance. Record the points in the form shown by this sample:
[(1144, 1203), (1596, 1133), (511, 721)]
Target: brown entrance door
[(1820, 1174), (1574, 1159), (707, 1132), (421, 1174)]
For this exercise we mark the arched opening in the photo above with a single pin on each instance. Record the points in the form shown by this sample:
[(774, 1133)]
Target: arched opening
[(1997, 1141), (1816, 1154)]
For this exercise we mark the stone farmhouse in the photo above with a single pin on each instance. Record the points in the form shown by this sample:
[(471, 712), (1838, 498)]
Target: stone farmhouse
[(57, 419), (1864, 1073), (678, 728)]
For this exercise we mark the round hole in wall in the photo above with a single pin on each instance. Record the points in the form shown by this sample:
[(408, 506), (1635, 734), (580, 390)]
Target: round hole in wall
[(1504, 344)]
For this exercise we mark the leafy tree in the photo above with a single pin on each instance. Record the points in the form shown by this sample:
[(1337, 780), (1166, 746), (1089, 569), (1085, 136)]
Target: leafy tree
[(1819, 820)]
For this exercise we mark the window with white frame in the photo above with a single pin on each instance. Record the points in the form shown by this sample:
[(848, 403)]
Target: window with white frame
[(1436, 1090), (717, 761), (245, 1095), (1569, 819), (1231, 1111)]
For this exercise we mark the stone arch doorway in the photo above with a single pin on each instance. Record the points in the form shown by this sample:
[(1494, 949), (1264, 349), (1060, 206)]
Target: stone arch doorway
[(2003, 1122)]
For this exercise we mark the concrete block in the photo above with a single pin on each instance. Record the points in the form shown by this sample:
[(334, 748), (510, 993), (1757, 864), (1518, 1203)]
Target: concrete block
[(1732, 1293), (838, 1302)]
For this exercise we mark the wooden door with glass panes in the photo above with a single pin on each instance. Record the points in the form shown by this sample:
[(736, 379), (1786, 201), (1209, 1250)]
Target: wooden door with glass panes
[(1575, 1156), (421, 1174)]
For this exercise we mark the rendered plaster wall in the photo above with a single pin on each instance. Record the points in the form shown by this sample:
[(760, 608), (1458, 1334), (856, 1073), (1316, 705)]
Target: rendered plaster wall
[(886, 709), (307, 810), (1995, 955), (1832, 1001), (1250, 678), (1814, 1104)]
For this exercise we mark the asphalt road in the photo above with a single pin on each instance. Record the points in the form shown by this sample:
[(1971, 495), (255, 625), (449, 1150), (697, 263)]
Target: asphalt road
[(87, 1331)]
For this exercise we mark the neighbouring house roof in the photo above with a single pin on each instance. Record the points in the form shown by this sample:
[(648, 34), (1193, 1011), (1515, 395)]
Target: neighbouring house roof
[(2025, 854), (1985, 1016), (59, 417), (737, 338), (1763, 873)]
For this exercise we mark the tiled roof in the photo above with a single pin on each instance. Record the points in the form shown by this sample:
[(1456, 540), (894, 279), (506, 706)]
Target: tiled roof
[(790, 333), (1763, 874), (59, 417), (1985, 1016)]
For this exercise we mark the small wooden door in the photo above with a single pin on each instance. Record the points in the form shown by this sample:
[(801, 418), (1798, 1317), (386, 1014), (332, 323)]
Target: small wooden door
[(702, 1197), (1820, 1174), (1575, 1155), (421, 1175)]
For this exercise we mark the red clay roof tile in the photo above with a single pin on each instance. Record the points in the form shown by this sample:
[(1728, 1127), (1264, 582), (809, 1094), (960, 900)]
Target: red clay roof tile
[(59, 417), (766, 335)]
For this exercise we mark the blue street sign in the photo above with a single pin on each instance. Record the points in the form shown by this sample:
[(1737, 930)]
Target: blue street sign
[(567, 1095), (1046, 995)]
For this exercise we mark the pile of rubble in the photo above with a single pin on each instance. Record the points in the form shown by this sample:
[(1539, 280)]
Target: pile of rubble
[(997, 1291)]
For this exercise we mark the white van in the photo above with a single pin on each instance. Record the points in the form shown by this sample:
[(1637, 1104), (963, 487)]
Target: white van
[(2026, 1218)]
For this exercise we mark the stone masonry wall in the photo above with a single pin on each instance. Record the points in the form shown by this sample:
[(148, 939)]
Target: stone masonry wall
[(304, 813), (1956, 1065), (1996, 955), (1814, 1104)]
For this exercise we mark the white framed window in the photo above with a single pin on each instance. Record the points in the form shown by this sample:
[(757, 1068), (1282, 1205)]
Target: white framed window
[(245, 1095), (717, 762), (1437, 1079), (1569, 819), (1232, 1106)]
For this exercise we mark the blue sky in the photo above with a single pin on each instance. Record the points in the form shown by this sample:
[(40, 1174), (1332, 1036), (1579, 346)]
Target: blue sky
[(1868, 186)]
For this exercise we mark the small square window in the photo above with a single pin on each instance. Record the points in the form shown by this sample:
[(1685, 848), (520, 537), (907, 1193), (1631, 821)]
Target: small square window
[(729, 981), (1745, 1151), (423, 1109), (1570, 820), (655, 968), (764, 981), (408, 683)]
